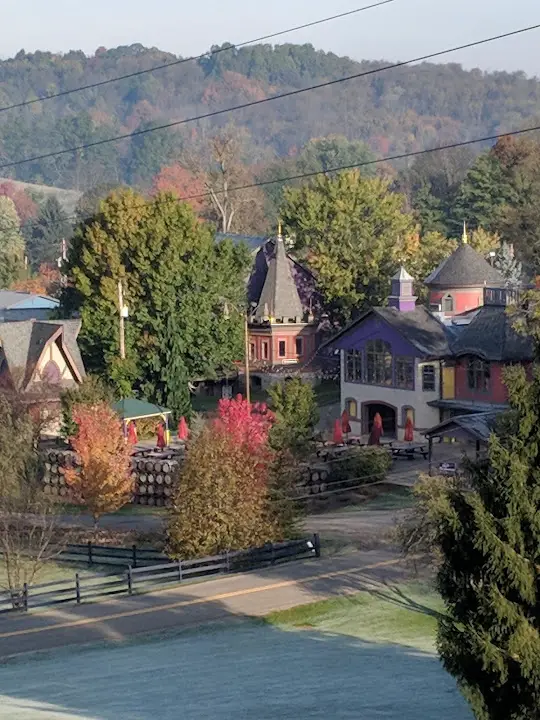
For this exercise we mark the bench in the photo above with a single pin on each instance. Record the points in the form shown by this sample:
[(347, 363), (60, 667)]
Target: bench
[(409, 451)]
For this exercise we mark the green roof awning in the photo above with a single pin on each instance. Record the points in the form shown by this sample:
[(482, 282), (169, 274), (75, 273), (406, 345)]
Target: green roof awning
[(132, 409)]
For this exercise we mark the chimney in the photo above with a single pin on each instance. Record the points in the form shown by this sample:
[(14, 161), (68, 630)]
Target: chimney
[(402, 297)]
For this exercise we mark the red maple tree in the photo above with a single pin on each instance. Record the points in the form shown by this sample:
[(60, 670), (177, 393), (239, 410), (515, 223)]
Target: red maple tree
[(247, 424), (102, 479), (25, 206), (182, 183)]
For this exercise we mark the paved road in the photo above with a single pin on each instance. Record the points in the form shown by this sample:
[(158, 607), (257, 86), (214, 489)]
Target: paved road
[(239, 596)]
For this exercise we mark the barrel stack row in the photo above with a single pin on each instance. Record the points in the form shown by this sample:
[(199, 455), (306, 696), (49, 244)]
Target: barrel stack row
[(54, 470), (153, 481), (313, 480)]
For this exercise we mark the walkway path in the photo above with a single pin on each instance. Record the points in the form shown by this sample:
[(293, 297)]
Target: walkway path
[(251, 594)]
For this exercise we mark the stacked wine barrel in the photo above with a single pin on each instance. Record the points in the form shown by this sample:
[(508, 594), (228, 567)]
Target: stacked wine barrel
[(153, 481), (313, 480), (54, 481)]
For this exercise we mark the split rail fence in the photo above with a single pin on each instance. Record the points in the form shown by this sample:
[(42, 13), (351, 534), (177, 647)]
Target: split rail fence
[(142, 579)]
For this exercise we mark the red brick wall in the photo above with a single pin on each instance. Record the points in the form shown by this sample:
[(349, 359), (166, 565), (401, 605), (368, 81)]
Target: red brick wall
[(288, 335)]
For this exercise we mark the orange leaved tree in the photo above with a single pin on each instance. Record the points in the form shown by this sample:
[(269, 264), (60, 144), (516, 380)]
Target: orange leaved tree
[(102, 478)]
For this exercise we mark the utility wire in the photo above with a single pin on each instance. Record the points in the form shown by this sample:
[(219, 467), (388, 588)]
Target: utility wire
[(389, 158), (181, 61), (255, 103)]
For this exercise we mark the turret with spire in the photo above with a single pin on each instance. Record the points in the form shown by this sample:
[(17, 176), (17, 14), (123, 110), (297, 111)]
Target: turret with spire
[(279, 297), (402, 297)]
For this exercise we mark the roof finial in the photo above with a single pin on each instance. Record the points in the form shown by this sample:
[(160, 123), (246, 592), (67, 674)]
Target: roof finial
[(464, 238), (280, 230)]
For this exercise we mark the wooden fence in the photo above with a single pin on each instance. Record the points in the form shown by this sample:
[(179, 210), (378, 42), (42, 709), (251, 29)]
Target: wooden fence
[(143, 579), (109, 555)]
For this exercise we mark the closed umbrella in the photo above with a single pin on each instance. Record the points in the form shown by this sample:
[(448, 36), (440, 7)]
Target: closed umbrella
[(338, 433), (376, 430), (183, 430), (408, 436), (161, 442), (132, 434)]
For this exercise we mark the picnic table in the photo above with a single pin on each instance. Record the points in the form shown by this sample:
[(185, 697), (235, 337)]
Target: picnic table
[(408, 450)]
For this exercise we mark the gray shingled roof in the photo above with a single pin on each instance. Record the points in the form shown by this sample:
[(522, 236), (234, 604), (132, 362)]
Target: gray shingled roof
[(23, 342), (478, 426), (464, 268), (419, 327), (279, 297), (490, 335), (12, 298)]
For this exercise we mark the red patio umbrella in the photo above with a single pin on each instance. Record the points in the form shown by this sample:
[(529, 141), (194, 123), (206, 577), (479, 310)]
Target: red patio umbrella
[(376, 430), (345, 424), (183, 430), (132, 434), (338, 433), (161, 442), (409, 430)]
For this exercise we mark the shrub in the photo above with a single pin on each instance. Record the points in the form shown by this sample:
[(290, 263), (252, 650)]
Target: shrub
[(363, 465)]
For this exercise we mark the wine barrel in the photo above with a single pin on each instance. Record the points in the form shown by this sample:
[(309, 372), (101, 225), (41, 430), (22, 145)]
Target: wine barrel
[(150, 489), (166, 467), (141, 465), (151, 501), (47, 489), (149, 466), (168, 502), (159, 479), (62, 491), (160, 502), (143, 478), (142, 489), (151, 479), (167, 491), (168, 480)]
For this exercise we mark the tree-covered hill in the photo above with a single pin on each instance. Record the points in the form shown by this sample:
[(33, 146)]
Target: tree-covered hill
[(394, 111)]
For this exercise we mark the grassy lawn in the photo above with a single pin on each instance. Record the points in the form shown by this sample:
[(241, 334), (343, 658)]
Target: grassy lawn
[(389, 497), (391, 615), (53, 572)]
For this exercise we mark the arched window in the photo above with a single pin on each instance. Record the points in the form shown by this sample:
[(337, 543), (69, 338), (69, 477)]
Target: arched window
[(448, 304), (351, 406), (51, 373), (378, 362), (478, 374)]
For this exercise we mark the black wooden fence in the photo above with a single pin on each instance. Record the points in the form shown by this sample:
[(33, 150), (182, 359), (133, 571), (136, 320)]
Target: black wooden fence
[(84, 588), (107, 555)]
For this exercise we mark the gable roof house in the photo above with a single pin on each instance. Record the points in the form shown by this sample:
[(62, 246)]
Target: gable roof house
[(40, 358), (16, 306)]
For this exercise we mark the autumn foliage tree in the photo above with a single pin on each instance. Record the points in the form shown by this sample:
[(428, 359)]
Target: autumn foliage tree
[(228, 491), (102, 479), (183, 184)]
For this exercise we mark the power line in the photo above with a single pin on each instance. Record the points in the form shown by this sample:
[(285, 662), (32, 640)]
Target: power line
[(255, 103), (181, 61), (377, 161)]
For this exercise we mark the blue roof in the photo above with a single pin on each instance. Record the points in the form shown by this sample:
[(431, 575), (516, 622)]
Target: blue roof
[(11, 299)]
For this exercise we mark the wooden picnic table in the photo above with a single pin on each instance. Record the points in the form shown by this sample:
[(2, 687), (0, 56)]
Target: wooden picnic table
[(408, 450)]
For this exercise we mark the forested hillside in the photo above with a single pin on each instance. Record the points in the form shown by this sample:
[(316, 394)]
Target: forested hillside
[(394, 111)]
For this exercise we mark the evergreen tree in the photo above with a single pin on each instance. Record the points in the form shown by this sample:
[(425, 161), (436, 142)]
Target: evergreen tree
[(508, 265), (429, 210), (488, 533), (296, 414), (11, 243), (45, 233)]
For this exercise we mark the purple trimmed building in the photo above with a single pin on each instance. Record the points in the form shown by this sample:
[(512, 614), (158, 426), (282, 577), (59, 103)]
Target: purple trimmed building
[(390, 363)]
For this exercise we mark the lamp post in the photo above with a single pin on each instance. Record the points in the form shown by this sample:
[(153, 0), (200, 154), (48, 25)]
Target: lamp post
[(123, 314)]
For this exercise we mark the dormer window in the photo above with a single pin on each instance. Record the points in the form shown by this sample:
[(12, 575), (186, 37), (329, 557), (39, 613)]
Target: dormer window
[(448, 304)]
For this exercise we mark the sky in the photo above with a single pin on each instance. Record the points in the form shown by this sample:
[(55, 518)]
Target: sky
[(398, 31)]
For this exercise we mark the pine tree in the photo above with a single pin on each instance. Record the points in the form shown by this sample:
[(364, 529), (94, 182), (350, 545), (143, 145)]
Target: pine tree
[(45, 233), (489, 535), (508, 265), (295, 408), (11, 243)]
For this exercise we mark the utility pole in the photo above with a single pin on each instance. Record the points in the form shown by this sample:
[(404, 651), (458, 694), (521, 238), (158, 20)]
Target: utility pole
[(246, 358), (123, 314)]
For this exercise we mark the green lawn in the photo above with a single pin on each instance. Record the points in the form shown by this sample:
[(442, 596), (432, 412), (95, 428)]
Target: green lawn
[(52, 572), (399, 615)]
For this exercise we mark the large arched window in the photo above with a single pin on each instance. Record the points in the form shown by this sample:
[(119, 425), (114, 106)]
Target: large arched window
[(378, 362)]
